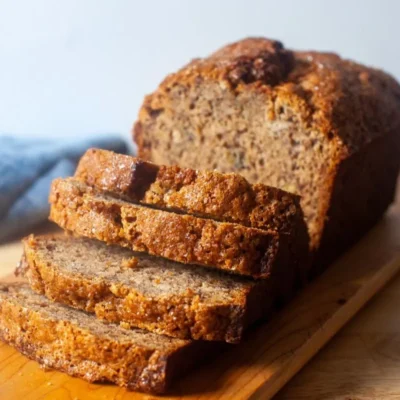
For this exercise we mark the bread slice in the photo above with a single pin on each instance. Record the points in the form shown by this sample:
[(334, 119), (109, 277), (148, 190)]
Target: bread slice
[(183, 238), (79, 344), (209, 194), (143, 291)]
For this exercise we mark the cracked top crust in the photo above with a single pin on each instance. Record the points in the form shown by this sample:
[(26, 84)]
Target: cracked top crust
[(325, 92)]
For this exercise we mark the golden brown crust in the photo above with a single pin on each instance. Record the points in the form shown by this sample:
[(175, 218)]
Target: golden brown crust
[(80, 345), (183, 238), (223, 197), (183, 315), (339, 98)]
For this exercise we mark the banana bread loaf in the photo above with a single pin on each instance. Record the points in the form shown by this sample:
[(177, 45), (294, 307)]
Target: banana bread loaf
[(184, 238), (306, 122), (143, 291), (79, 344)]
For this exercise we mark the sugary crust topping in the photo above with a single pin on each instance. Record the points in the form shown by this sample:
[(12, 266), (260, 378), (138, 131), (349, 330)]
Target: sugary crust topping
[(223, 197), (248, 61), (345, 101)]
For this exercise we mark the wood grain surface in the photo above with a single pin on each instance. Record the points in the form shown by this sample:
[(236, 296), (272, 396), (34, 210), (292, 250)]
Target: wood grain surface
[(363, 362)]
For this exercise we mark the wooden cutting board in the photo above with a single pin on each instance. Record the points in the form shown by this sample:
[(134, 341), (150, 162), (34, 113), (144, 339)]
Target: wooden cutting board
[(269, 357)]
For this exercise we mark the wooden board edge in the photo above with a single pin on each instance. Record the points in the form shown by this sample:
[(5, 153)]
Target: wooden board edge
[(315, 343)]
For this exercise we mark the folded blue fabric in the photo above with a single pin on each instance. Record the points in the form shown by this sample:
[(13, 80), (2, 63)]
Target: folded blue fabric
[(27, 167)]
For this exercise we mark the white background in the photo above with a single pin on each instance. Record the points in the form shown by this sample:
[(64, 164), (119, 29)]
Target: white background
[(73, 67)]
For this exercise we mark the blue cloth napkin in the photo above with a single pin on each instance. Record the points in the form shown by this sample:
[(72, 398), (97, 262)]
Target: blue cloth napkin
[(27, 167)]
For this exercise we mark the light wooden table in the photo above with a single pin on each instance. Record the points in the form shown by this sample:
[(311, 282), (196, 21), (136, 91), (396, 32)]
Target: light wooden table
[(361, 362)]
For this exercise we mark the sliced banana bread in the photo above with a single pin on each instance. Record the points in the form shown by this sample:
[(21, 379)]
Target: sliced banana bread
[(79, 344), (144, 291), (210, 194), (184, 238)]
